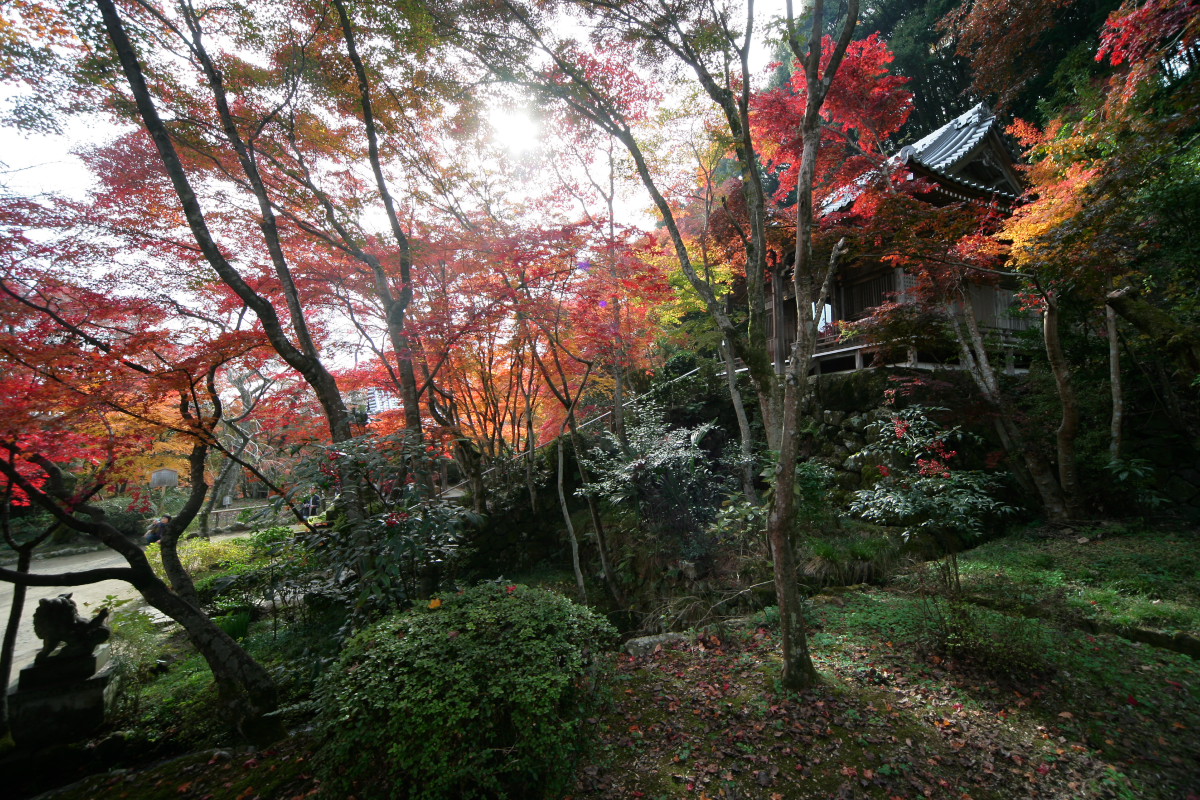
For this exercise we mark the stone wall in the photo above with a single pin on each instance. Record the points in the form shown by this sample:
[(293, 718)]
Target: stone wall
[(836, 441), (850, 402)]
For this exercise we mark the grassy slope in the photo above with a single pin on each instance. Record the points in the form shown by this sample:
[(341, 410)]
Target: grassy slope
[(1131, 576), (921, 698), (1083, 717)]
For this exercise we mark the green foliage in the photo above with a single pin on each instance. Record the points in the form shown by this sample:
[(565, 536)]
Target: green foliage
[(918, 490), (739, 520), (234, 580), (1144, 578), (940, 79), (970, 637), (174, 709), (130, 523), (258, 572), (738, 531), (135, 640), (766, 618), (235, 623), (848, 560), (667, 477), (987, 640), (409, 541), (812, 482), (1170, 201), (271, 540), (506, 486), (690, 388), (233, 574), (26, 527), (1136, 476), (168, 695), (937, 506), (203, 555), (481, 696)]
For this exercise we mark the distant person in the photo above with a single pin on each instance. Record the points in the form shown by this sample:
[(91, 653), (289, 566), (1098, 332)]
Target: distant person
[(159, 529), (313, 505)]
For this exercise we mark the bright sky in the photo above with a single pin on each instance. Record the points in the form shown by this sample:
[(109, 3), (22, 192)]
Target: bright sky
[(38, 163)]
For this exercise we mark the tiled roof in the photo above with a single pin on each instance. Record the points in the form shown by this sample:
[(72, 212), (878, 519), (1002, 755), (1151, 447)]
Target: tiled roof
[(844, 197), (979, 187), (941, 152), (943, 149)]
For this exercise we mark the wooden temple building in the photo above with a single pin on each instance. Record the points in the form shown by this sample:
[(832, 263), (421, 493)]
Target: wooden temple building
[(966, 160)]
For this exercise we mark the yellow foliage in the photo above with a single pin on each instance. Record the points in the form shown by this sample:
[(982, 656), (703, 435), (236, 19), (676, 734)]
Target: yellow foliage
[(201, 555), (1064, 168)]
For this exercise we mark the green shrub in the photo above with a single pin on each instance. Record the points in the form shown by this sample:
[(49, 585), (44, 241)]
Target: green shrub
[(995, 643), (271, 540), (175, 708), (766, 618), (482, 695), (923, 491), (136, 641), (844, 561), (200, 555), (236, 623), (410, 539), (668, 478), (131, 523)]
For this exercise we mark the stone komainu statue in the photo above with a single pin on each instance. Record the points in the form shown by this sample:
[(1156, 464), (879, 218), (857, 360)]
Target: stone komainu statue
[(57, 621)]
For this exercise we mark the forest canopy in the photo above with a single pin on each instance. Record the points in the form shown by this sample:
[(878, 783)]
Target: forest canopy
[(464, 276)]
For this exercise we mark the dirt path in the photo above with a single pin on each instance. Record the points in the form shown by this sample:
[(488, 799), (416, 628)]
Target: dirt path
[(89, 598)]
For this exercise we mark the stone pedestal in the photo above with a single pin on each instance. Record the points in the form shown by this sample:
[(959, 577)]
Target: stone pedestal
[(62, 699)]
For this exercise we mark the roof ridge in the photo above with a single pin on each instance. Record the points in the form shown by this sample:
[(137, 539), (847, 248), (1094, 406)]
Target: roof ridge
[(949, 143)]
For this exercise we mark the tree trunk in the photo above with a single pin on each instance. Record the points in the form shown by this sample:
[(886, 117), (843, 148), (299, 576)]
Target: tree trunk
[(8, 650), (618, 412), (221, 486), (811, 288), (247, 690), (975, 360), (745, 435), (530, 459), (180, 581), (566, 512), (1114, 383), (1068, 428), (395, 307), (610, 579), (618, 365), (1040, 471), (1180, 341), (798, 670), (1019, 470), (470, 460), (302, 356)]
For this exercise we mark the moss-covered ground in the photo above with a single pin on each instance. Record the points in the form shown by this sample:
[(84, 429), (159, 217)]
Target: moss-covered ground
[(999, 694), (1127, 575), (1068, 715)]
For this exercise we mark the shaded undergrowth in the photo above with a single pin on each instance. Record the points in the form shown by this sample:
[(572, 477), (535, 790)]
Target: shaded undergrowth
[(1061, 715), (997, 695)]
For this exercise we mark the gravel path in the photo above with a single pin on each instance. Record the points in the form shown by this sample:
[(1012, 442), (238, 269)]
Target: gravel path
[(88, 598)]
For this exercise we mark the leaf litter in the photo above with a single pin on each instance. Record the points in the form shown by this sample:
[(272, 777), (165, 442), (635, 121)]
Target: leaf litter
[(704, 718)]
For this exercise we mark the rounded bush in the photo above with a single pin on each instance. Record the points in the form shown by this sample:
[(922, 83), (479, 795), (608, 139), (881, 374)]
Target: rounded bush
[(482, 694), (131, 523)]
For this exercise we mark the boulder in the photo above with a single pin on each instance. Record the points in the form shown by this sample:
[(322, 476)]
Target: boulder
[(643, 646)]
